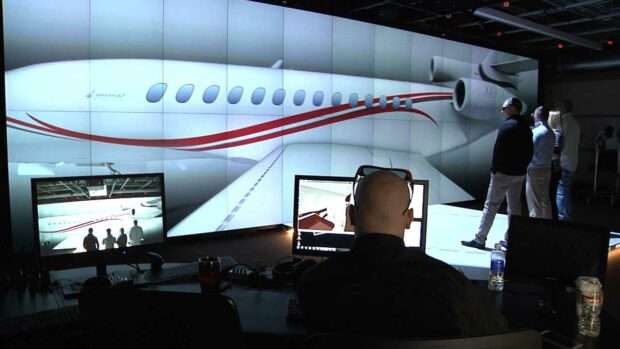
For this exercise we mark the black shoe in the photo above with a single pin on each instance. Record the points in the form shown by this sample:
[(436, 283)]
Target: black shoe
[(473, 243)]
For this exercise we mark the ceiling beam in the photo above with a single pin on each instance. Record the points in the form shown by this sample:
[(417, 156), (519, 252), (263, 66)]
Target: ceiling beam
[(508, 19)]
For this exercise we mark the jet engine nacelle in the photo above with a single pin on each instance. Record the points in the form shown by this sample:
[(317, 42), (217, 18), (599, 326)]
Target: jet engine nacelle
[(447, 69), (480, 100)]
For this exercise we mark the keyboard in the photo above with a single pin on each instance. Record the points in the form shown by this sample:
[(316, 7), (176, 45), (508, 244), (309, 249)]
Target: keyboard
[(183, 272), (36, 322)]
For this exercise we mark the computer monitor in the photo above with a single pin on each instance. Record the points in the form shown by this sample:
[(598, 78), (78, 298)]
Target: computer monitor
[(65, 209), (543, 251), (320, 223)]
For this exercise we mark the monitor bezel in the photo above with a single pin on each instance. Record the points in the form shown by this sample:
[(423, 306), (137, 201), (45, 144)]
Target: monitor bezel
[(424, 221), (519, 275), (129, 254)]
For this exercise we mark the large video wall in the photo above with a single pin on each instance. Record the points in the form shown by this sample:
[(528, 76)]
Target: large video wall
[(231, 99)]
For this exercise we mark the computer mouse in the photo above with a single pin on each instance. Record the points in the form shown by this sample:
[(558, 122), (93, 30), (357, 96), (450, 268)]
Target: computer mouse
[(95, 283), (155, 260)]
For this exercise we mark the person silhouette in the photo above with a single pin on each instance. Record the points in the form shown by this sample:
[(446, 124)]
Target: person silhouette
[(121, 241), (91, 243), (109, 240), (136, 234)]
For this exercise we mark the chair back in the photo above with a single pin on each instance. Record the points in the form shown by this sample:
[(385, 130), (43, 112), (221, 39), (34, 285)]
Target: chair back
[(521, 339), (130, 318)]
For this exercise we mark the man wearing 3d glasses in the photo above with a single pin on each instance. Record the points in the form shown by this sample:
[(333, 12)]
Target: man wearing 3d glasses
[(382, 287)]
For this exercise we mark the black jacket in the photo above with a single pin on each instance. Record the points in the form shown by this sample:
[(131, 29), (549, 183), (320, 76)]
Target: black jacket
[(513, 147), (383, 288)]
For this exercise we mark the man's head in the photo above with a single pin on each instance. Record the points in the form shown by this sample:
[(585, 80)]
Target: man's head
[(511, 106), (90, 230), (541, 114), (380, 198), (109, 231), (122, 230), (564, 106), (135, 222)]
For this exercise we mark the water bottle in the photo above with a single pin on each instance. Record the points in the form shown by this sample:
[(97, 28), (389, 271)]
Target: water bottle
[(496, 272), (589, 307)]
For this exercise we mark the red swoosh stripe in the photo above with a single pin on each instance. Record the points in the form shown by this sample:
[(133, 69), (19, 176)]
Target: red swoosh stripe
[(246, 131)]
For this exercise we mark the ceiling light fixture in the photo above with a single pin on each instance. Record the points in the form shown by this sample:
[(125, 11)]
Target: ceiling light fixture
[(502, 17)]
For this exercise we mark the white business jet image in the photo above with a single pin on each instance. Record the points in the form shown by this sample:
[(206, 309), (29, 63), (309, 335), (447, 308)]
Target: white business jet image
[(230, 138)]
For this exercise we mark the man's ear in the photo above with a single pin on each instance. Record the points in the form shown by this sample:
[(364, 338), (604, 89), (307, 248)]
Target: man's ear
[(409, 215), (351, 214)]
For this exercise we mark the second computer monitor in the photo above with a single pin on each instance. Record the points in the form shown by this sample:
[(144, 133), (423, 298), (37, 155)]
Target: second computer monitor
[(321, 224)]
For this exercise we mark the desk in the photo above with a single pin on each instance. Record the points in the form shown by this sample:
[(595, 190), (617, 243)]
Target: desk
[(521, 306), (264, 312)]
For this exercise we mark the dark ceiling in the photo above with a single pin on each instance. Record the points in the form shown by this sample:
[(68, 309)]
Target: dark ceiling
[(596, 20)]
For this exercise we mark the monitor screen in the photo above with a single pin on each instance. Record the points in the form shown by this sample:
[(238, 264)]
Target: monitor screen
[(542, 250), (321, 224), (122, 212)]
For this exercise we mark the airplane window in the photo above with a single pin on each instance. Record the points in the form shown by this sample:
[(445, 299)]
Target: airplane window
[(395, 102), (278, 96), (210, 94), (299, 97), (383, 102), (258, 95), (409, 103), (353, 99), (185, 93), (336, 98), (156, 92), (368, 101), (317, 99), (234, 96)]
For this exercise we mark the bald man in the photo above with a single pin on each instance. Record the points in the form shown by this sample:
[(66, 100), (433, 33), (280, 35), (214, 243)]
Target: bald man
[(382, 287)]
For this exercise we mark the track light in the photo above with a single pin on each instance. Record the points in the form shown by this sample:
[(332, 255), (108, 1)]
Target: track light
[(502, 17)]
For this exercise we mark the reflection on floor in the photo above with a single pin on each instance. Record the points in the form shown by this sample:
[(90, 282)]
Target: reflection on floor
[(448, 225)]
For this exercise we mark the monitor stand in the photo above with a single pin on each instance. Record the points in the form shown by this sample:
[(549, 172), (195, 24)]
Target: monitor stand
[(101, 265)]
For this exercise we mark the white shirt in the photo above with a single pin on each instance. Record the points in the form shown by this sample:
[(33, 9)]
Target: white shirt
[(572, 133)]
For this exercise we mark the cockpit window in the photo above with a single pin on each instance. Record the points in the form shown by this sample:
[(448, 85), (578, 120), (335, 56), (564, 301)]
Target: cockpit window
[(258, 96), (299, 97), (234, 96), (156, 92), (185, 93), (317, 99), (210, 94), (278, 96)]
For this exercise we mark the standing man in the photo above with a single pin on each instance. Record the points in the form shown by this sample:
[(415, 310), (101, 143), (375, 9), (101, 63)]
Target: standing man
[(569, 158), (136, 234), (109, 240), (512, 154), (539, 169), (122, 239), (90, 243)]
